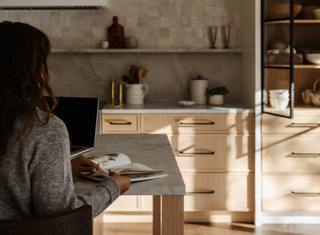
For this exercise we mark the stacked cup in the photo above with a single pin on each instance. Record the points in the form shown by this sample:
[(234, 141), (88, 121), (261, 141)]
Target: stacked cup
[(279, 98)]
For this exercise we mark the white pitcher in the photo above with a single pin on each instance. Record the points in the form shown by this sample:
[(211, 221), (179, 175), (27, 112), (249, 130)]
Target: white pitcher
[(135, 93)]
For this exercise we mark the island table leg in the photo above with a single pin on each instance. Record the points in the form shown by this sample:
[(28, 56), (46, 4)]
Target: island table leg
[(172, 215), (156, 215)]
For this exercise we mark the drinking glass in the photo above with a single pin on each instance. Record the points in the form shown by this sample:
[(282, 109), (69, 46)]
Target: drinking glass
[(214, 32), (226, 30)]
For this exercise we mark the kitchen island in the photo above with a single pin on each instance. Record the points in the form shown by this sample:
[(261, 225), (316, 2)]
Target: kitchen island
[(168, 192)]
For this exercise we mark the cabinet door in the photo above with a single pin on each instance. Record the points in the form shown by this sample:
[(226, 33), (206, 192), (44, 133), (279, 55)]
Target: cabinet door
[(197, 123), (277, 67), (288, 192), (290, 153), (120, 123), (219, 152)]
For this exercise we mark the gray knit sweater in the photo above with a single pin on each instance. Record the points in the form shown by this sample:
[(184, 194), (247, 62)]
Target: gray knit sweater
[(36, 178)]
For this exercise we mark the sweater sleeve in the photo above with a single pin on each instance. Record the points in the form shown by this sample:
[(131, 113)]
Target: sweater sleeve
[(51, 177)]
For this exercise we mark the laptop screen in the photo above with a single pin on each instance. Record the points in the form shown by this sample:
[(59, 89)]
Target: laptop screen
[(80, 117)]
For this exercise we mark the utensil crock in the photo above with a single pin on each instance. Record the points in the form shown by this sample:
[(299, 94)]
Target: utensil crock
[(135, 93)]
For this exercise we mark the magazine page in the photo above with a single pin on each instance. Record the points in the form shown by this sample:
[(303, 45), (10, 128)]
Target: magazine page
[(133, 168), (121, 164), (111, 160)]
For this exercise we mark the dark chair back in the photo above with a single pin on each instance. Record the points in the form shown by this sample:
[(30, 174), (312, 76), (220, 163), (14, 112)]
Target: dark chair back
[(74, 222)]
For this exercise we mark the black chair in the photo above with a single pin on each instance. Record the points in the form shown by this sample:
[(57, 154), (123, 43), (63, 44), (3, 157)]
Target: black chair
[(74, 222)]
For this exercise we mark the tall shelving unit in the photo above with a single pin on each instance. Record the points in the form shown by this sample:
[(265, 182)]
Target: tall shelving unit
[(290, 163)]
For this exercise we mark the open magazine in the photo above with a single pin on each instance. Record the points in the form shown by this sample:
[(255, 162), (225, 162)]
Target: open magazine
[(121, 164)]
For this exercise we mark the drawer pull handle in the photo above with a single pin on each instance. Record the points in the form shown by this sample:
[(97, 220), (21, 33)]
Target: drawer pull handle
[(209, 123), (305, 154), (305, 193), (211, 153), (305, 124), (204, 192), (120, 123)]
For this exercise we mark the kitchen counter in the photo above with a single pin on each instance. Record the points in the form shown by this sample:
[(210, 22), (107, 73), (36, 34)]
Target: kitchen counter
[(177, 108)]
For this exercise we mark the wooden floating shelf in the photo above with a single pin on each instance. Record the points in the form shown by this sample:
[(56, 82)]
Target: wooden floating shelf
[(296, 66), (295, 22), (141, 50)]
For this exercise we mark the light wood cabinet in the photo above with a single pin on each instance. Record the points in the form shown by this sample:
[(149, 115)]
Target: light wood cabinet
[(197, 123), (305, 121), (290, 150), (291, 163), (225, 187), (215, 153), (291, 192)]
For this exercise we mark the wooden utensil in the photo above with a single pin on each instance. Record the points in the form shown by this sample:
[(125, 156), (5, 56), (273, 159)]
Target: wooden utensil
[(142, 73), (133, 73)]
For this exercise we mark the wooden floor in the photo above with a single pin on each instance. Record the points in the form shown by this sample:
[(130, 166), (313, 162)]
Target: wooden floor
[(216, 229)]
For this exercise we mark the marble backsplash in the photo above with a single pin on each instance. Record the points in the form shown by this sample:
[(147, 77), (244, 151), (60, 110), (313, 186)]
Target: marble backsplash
[(89, 74)]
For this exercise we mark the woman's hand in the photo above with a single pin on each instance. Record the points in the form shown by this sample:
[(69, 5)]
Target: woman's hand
[(123, 181), (82, 164)]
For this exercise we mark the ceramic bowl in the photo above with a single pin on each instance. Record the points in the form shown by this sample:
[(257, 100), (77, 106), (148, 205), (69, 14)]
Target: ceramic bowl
[(281, 11), (313, 58), (279, 96), (279, 91), (131, 43), (279, 103), (186, 103)]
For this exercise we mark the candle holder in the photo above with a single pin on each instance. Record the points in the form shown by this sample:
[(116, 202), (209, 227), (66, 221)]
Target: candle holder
[(214, 32), (226, 30), (112, 92)]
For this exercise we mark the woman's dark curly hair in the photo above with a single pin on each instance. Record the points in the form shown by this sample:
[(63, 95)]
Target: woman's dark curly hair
[(24, 78)]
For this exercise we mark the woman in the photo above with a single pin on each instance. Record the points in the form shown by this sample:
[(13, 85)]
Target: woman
[(35, 169)]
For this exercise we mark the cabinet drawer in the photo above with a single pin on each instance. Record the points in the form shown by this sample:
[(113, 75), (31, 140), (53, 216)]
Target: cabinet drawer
[(300, 124), (287, 153), (277, 192), (120, 123), (197, 123), (125, 203), (213, 152), (232, 191)]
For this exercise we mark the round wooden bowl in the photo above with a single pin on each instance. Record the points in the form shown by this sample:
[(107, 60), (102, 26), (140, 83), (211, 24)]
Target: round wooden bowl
[(281, 11)]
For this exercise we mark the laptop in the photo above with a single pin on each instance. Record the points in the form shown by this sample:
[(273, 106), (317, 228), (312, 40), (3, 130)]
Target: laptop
[(80, 118)]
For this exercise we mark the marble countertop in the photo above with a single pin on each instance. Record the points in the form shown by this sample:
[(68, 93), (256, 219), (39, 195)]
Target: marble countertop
[(177, 108), (151, 150)]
